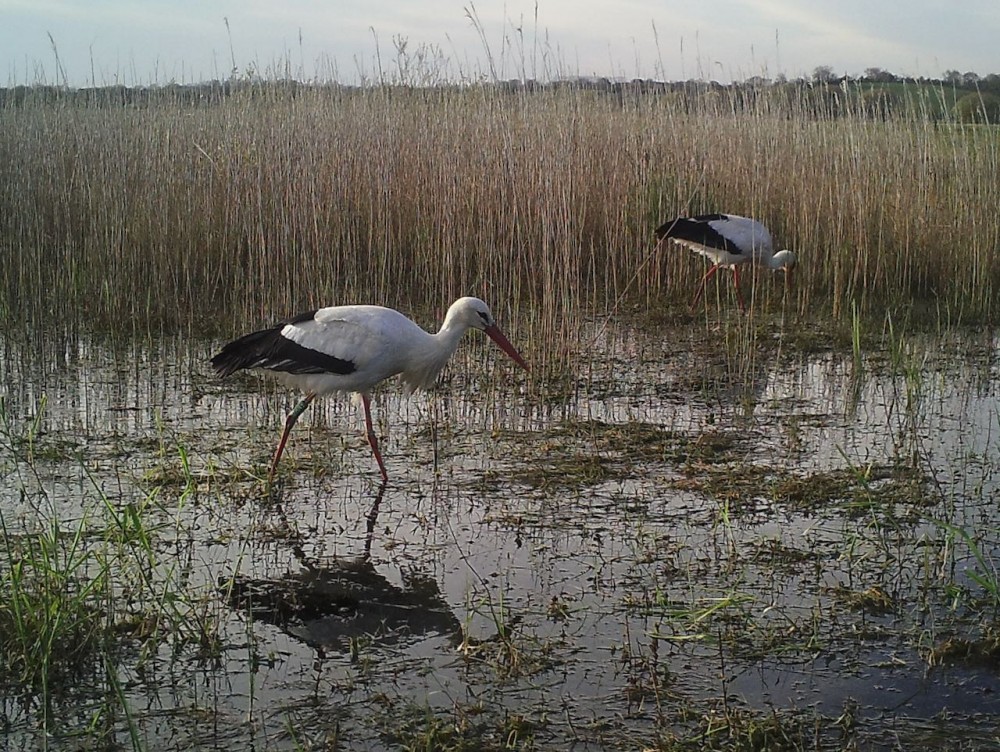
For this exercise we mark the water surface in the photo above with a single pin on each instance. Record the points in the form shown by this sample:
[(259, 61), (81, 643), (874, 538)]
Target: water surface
[(668, 531)]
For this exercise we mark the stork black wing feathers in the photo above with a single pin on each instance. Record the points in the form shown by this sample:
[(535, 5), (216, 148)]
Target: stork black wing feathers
[(269, 349), (698, 230)]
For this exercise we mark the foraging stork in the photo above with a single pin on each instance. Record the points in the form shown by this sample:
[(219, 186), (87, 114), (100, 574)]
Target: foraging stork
[(728, 240), (351, 349)]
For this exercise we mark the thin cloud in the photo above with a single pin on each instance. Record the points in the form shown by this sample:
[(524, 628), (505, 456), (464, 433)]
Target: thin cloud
[(823, 27)]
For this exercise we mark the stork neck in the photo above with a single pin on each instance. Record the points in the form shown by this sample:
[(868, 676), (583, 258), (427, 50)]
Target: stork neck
[(427, 355), (448, 337)]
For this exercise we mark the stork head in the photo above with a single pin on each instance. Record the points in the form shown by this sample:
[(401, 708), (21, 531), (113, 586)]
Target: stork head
[(784, 260), (470, 313), (473, 313)]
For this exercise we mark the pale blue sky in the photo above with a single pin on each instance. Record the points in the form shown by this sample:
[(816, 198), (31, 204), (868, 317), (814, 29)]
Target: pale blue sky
[(153, 41)]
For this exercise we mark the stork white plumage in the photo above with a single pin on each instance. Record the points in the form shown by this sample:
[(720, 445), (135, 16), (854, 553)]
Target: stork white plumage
[(728, 240), (351, 349)]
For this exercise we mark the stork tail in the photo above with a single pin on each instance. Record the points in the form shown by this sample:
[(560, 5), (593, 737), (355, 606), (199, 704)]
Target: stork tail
[(248, 351)]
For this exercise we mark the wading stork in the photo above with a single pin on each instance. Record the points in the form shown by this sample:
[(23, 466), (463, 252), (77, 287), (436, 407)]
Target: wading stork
[(728, 240), (353, 348)]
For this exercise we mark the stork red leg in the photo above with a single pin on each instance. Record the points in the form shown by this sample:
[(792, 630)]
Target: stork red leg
[(289, 422), (736, 283), (372, 439), (701, 286)]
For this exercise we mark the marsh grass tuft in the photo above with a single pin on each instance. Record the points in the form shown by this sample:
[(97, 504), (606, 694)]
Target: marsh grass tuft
[(873, 486), (580, 453), (469, 727), (985, 573), (508, 652), (734, 728), (52, 621), (742, 487), (983, 651), (81, 597), (872, 600)]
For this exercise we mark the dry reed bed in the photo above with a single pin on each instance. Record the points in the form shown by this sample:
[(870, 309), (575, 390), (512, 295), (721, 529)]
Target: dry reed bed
[(171, 216)]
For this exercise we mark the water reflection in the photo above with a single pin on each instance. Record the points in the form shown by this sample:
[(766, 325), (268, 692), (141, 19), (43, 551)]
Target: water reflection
[(328, 605)]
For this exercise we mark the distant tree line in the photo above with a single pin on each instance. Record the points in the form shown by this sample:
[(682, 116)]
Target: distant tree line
[(878, 93), (977, 97)]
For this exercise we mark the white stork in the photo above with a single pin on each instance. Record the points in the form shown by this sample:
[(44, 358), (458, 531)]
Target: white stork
[(728, 240), (351, 349)]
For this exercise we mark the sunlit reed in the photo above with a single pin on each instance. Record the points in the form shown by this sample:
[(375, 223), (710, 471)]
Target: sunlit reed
[(221, 215)]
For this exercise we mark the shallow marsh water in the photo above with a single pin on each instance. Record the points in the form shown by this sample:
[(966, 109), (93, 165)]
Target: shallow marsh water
[(673, 533)]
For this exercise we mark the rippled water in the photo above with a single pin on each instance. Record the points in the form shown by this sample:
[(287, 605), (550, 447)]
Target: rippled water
[(538, 565)]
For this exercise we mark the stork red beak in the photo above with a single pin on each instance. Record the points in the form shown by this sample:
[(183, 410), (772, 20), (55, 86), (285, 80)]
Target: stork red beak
[(497, 336)]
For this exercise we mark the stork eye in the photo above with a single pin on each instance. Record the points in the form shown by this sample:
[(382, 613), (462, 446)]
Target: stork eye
[(485, 317)]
